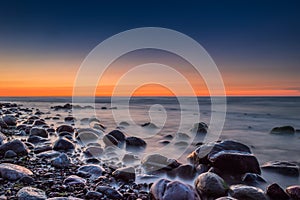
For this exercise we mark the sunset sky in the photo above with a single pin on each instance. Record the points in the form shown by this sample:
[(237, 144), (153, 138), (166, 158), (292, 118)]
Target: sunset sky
[(255, 44)]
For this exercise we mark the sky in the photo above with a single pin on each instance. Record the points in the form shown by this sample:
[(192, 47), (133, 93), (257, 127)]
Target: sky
[(255, 44)]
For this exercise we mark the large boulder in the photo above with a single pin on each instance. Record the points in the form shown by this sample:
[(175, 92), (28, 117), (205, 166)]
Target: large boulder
[(275, 192), (211, 185), (175, 190), (13, 172), (31, 193), (293, 192)]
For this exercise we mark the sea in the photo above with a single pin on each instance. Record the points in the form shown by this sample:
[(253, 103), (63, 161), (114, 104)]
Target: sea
[(163, 122)]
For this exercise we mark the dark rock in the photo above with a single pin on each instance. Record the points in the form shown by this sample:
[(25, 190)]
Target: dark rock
[(3, 124), (91, 170), (117, 134), (41, 149), (70, 119), (13, 172), (9, 120), (31, 193), (63, 145), (149, 125), (16, 145), (39, 132), (275, 192), (135, 142), (36, 139), (74, 180), (157, 162), (48, 154), (294, 192), (39, 122), (87, 137), (126, 174), (187, 172), (251, 178), (235, 162), (92, 195), (26, 180), (129, 158), (226, 198), (211, 185), (283, 130), (109, 140), (62, 161), (175, 190), (109, 192), (282, 167), (247, 192), (10, 154), (93, 151), (65, 128), (2, 138), (200, 127)]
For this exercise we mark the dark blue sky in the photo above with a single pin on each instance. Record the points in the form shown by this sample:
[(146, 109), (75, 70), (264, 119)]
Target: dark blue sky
[(263, 35)]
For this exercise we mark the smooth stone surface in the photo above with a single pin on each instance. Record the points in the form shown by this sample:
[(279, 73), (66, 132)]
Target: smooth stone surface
[(10, 154), (247, 192), (15, 145), (117, 134), (91, 170), (199, 128), (275, 192), (126, 174), (34, 139), (48, 154), (186, 172), (65, 128), (39, 132), (293, 192), (2, 138), (109, 192), (9, 120), (211, 185), (63, 144), (164, 189), (251, 178), (62, 161), (149, 125), (135, 142), (13, 172), (156, 162), (93, 195), (283, 130), (31, 193), (282, 167), (87, 137), (93, 151), (110, 140), (74, 180)]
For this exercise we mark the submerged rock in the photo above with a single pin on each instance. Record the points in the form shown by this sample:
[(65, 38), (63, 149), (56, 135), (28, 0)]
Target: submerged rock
[(200, 127), (282, 167), (135, 142), (175, 190), (211, 185), (31, 193), (13, 172), (246, 192), (157, 162), (283, 130), (110, 140)]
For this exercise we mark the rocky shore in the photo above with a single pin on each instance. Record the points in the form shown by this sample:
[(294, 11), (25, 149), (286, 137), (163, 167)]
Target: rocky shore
[(41, 160)]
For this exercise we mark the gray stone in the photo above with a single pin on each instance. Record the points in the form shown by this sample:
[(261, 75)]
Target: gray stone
[(247, 192), (109, 192), (31, 193), (157, 162), (126, 174), (63, 144), (16, 145), (10, 154), (283, 130), (211, 185), (91, 170), (13, 172), (39, 132), (282, 167), (9, 120), (74, 180), (62, 161)]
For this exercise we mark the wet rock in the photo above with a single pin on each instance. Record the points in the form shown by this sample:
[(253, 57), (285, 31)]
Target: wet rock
[(149, 125), (226, 198), (2, 138), (275, 192), (124, 123), (93, 195), (211, 185), (36, 139), (200, 127), (10, 154), (246, 192), (283, 130), (13, 172), (9, 120), (186, 171), (31, 193), (90, 170), (65, 128), (109, 192), (39, 132), (41, 149), (48, 154), (126, 174), (39, 122), (63, 144), (87, 137), (26, 180), (157, 162), (118, 135), (15, 145), (129, 158), (62, 161), (235, 162), (251, 178), (109, 140), (293, 192), (3, 124), (93, 151), (175, 190), (282, 167), (135, 142), (70, 119), (74, 180)]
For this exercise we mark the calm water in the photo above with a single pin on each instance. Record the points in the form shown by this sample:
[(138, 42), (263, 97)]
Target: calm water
[(248, 119)]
